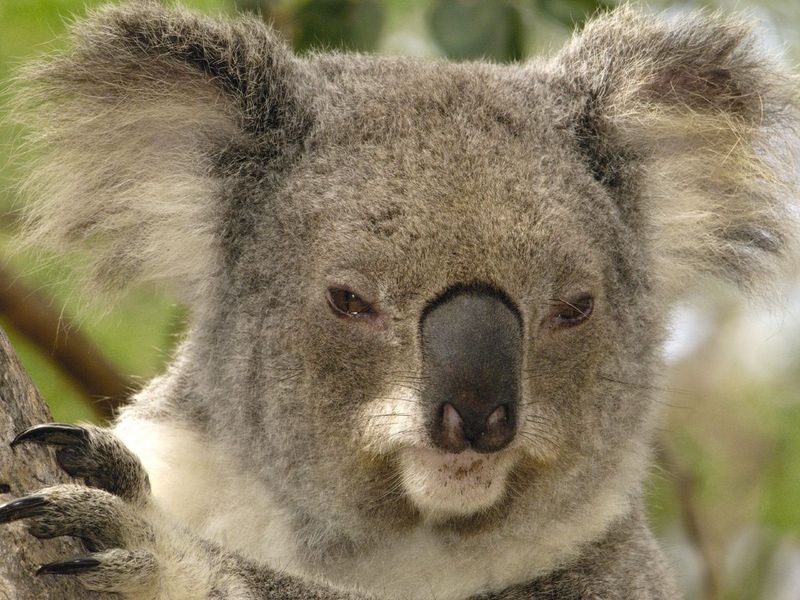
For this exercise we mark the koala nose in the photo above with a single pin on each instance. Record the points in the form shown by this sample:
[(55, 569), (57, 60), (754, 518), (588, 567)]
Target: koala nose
[(489, 434), (471, 355)]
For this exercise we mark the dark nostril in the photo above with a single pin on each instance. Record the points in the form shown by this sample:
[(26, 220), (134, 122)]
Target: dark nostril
[(451, 420), (498, 418), (456, 432), (453, 438), (498, 430)]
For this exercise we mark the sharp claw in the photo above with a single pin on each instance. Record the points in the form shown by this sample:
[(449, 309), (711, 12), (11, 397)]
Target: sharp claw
[(29, 506), (69, 567), (54, 434)]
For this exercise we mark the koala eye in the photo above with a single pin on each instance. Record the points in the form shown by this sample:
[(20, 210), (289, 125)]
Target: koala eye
[(572, 312), (347, 304)]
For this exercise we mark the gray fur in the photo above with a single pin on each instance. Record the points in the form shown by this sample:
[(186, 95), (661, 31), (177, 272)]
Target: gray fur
[(105, 463), (202, 152)]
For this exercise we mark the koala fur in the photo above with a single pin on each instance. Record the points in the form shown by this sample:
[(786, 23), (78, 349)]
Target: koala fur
[(288, 448)]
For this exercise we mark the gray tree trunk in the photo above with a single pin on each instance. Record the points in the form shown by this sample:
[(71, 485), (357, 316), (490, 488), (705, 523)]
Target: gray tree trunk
[(23, 471)]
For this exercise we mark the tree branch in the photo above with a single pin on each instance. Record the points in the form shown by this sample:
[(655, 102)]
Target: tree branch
[(31, 315), (685, 487)]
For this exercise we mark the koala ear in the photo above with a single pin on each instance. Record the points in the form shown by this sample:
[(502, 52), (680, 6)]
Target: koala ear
[(137, 131), (695, 130)]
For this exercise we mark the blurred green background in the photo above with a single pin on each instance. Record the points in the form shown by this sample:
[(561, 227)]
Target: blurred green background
[(725, 493)]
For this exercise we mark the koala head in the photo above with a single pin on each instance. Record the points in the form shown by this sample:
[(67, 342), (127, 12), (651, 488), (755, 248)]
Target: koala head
[(423, 291)]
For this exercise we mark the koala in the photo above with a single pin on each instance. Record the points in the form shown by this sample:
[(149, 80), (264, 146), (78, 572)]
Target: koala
[(428, 298)]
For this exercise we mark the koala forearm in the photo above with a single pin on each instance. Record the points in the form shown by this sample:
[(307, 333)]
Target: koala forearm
[(233, 577), (262, 584), (134, 548)]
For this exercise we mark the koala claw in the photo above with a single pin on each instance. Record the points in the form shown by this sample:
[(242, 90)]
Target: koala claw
[(94, 455), (69, 567), (22, 508), (132, 573), (53, 434), (117, 534), (100, 519)]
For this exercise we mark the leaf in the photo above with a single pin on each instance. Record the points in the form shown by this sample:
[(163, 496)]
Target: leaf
[(471, 29), (338, 24)]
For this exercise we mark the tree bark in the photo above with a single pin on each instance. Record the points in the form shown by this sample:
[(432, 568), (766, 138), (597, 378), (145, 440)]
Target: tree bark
[(23, 471)]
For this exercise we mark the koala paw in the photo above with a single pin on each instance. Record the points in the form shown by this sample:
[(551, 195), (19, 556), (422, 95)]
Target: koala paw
[(117, 539), (122, 531), (94, 455)]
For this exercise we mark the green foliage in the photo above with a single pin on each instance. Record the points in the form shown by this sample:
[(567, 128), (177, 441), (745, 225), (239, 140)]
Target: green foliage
[(471, 29), (136, 334), (342, 24), (781, 492), (572, 14)]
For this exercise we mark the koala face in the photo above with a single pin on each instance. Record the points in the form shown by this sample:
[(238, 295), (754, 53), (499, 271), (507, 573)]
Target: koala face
[(424, 293), (473, 318)]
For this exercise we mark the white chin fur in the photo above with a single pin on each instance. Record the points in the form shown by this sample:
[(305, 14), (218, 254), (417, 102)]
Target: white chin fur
[(441, 484)]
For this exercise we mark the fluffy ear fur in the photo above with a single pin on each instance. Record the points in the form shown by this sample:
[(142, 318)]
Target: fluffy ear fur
[(132, 130), (695, 130)]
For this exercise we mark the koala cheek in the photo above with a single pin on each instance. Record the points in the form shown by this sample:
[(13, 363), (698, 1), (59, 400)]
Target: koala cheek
[(541, 434), (390, 421)]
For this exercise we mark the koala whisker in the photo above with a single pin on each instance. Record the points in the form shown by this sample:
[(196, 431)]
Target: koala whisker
[(541, 429), (401, 399), (541, 420), (394, 487), (539, 434), (642, 386), (286, 373), (405, 375), (538, 438), (411, 388), (561, 302), (398, 435), (539, 416), (408, 383), (389, 415), (513, 491)]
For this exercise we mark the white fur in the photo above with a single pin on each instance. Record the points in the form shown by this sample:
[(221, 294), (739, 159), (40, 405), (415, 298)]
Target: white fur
[(193, 482), (438, 483), (443, 484), (391, 421)]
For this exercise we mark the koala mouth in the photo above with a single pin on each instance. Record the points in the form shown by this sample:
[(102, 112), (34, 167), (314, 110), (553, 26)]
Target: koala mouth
[(443, 484)]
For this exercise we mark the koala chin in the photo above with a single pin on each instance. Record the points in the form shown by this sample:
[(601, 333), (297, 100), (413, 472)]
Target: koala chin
[(443, 484), (439, 483), (428, 299)]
